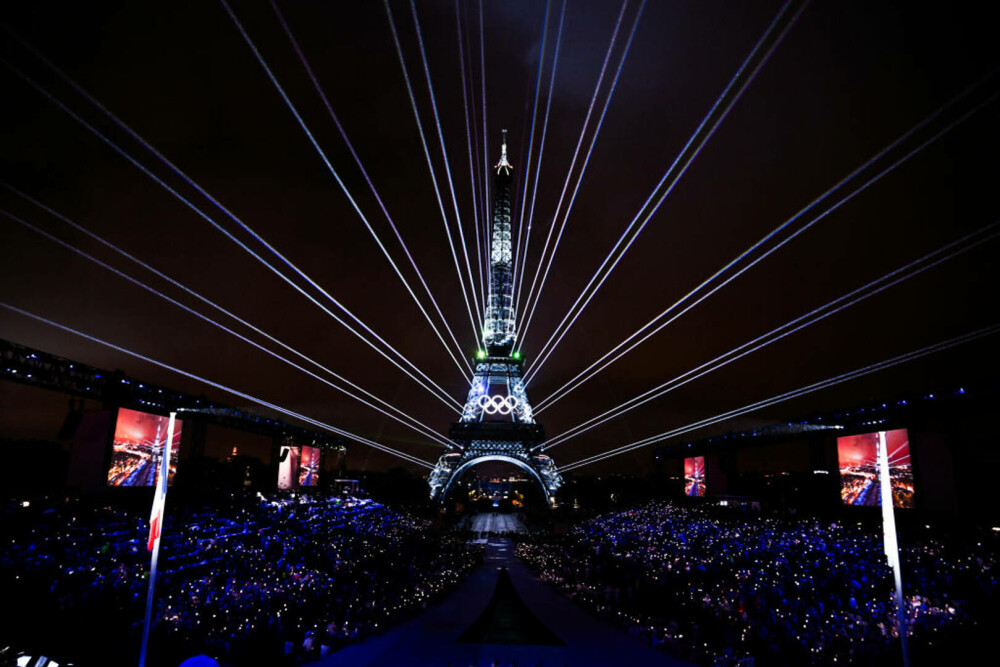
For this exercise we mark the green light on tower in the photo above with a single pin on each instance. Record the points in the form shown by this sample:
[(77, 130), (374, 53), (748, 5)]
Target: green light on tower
[(517, 355), (481, 354)]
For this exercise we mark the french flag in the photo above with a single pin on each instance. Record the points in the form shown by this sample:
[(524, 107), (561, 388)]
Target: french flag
[(159, 500), (155, 519)]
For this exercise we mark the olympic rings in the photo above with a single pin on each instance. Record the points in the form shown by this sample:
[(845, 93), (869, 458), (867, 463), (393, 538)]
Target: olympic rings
[(498, 404)]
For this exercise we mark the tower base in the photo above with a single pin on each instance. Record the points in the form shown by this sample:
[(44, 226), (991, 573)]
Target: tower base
[(518, 444)]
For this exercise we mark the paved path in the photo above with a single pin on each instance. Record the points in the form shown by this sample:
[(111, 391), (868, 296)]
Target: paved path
[(494, 522), (430, 639)]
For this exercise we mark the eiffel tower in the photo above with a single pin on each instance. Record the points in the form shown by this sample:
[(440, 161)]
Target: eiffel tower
[(497, 423)]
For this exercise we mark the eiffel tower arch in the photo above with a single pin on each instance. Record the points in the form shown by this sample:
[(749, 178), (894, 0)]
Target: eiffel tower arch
[(497, 422)]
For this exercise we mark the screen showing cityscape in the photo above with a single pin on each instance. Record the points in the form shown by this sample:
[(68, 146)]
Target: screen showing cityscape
[(694, 476), (309, 461), (138, 448), (859, 478)]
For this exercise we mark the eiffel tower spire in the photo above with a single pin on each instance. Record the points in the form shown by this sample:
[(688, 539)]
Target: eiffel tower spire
[(499, 331), (497, 422)]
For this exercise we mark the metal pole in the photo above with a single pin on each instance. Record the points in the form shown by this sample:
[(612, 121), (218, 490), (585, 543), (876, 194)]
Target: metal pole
[(156, 529), (891, 546)]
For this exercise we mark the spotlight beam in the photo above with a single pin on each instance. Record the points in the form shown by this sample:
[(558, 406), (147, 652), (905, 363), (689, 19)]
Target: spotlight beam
[(467, 369), (583, 169), (569, 172), (780, 398), (531, 140), (480, 309), (898, 456), (674, 173), (478, 174), (614, 354), (222, 387), (538, 166), (416, 425), (430, 167), (897, 460), (486, 159), (467, 71), (472, 162), (333, 172), (894, 277), (442, 396)]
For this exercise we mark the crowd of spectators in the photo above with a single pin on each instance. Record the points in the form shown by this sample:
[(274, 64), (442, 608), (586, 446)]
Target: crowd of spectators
[(718, 589), (277, 580)]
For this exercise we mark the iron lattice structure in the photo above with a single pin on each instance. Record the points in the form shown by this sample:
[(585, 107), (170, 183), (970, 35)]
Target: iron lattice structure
[(497, 422)]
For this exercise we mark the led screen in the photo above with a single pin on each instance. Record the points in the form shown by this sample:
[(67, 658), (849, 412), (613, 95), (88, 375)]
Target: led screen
[(288, 467), (694, 476), (859, 478), (309, 461), (138, 448)]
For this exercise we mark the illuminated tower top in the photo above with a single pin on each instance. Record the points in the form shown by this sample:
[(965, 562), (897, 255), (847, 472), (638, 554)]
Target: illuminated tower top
[(499, 334), (503, 164)]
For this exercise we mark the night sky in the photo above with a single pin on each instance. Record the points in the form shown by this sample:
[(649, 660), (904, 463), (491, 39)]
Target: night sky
[(847, 79)]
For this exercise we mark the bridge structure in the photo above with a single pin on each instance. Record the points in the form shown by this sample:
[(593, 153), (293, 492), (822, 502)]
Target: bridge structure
[(497, 422)]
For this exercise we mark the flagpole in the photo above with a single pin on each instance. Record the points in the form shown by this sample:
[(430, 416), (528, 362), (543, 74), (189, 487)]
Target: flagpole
[(891, 545), (155, 529)]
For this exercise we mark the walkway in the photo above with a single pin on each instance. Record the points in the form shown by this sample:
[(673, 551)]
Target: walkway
[(494, 522), (431, 639)]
